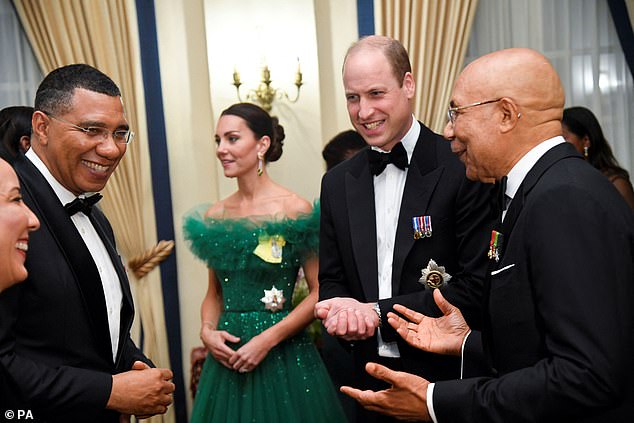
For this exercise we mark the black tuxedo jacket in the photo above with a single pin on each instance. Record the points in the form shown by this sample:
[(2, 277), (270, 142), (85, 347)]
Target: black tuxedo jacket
[(54, 338), (436, 186), (559, 326)]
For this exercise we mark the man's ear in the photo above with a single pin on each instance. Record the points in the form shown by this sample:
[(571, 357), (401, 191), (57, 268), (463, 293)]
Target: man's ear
[(409, 85), (40, 126), (510, 114)]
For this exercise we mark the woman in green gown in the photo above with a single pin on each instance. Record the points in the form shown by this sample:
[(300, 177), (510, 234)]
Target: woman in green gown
[(261, 366)]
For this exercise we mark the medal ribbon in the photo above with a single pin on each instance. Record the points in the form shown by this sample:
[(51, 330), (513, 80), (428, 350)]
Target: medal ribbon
[(416, 223), (427, 225), (494, 245)]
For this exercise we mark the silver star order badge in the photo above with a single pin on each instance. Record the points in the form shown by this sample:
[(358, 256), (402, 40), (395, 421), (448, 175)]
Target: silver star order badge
[(434, 276), (273, 299)]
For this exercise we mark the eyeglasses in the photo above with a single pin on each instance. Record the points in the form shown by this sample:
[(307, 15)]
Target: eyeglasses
[(452, 112), (120, 136)]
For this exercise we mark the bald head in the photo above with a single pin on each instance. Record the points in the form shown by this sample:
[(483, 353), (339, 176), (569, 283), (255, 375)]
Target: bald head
[(523, 75), (519, 104)]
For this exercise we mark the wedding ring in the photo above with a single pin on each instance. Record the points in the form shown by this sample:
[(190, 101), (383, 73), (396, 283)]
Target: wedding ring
[(243, 370)]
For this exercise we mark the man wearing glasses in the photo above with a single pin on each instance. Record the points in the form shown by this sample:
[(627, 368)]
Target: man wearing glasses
[(557, 334), (402, 208), (64, 333)]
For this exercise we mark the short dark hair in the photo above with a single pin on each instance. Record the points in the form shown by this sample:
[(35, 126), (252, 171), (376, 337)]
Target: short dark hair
[(261, 123), (341, 147), (55, 93), (393, 51), (15, 123)]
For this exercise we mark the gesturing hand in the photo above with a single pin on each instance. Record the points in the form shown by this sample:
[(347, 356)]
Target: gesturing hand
[(441, 335), (406, 399)]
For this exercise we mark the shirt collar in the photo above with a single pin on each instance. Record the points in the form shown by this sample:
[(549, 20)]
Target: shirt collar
[(64, 195), (408, 141), (526, 163)]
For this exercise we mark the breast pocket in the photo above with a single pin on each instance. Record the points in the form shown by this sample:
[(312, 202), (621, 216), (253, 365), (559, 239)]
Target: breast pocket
[(511, 303), (516, 338)]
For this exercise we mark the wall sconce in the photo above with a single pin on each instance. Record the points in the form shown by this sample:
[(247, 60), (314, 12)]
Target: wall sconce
[(264, 94)]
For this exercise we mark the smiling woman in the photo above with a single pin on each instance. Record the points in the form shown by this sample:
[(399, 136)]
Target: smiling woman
[(16, 221)]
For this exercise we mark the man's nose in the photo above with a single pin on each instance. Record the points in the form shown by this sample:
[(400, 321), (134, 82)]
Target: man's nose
[(109, 148), (448, 131), (365, 109)]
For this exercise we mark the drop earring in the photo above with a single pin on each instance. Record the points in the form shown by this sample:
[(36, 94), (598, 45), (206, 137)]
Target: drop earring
[(585, 152), (260, 165)]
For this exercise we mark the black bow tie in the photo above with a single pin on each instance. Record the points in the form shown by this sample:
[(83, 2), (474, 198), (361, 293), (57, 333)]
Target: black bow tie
[(83, 205), (378, 161), (502, 198)]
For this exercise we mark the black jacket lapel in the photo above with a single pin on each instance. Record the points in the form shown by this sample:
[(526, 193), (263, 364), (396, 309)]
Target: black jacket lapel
[(422, 178), (362, 218), (51, 213), (127, 308), (552, 156)]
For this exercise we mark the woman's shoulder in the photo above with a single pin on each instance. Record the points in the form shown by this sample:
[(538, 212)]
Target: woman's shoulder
[(222, 208), (215, 210), (294, 206)]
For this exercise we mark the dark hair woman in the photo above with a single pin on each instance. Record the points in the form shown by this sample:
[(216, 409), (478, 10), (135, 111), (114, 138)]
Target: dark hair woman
[(261, 365), (582, 129)]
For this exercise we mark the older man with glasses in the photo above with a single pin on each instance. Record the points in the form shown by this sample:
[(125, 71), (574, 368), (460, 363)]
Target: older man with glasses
[(556, 339)]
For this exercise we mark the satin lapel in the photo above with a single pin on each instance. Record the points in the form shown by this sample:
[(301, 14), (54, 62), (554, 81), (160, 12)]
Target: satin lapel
[(52, 215), (552, 156), (422, 178), (362, 221), (127, 308)]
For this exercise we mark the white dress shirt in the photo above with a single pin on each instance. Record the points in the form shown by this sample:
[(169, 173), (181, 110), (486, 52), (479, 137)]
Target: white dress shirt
[(388, 193), (109, 278), (515, 178), (525, 164)]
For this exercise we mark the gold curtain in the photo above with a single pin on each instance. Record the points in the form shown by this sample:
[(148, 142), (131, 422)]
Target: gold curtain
[(436, 35), (103, 34)]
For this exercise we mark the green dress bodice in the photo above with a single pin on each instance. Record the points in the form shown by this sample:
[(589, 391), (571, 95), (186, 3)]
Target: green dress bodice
[(251, 256)]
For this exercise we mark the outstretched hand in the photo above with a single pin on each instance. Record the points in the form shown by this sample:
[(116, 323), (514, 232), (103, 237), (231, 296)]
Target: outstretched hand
[(440, 335), (406, 399)]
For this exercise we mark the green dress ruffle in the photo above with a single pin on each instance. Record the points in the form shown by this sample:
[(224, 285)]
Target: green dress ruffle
[(291, 384)]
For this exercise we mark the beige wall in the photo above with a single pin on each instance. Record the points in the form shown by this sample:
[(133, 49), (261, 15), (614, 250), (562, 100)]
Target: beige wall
[(276, 33), (196, 89)]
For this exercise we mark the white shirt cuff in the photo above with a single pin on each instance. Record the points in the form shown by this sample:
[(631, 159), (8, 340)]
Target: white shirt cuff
[(430, 387), (464, 342), (430, 402)]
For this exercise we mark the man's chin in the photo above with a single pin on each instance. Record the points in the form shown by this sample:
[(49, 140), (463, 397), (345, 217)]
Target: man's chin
[(473, 175)]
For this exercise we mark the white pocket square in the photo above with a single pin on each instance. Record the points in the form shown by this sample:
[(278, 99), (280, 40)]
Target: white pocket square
[(495, 272)]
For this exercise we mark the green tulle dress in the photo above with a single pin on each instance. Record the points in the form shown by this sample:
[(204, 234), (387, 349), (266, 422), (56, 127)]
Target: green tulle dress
[(291, 384)]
